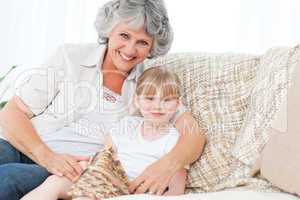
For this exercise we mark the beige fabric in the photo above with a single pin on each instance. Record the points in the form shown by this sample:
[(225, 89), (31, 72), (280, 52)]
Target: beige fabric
[(274, 76), (104, 178), (287, 118), (280, 161), (280, 158), (216, 90), (219, 90)]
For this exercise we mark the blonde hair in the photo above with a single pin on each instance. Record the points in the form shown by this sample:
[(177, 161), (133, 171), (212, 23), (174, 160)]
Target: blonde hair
[(158, 80)]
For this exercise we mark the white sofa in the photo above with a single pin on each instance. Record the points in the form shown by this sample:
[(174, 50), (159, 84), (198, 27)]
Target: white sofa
[(222, 195), (263, 81), (225, 183)]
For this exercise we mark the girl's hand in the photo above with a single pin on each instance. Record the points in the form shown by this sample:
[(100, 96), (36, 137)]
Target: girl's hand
[(155, 178)]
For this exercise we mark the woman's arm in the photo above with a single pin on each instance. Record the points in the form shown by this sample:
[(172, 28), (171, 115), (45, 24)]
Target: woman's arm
[(15, 120), (177, 183), (190, 144), (189, 147), (19, 131)]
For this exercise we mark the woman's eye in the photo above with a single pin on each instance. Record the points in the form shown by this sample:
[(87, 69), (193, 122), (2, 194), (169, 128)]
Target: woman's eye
[(143, 43), (124, 36)]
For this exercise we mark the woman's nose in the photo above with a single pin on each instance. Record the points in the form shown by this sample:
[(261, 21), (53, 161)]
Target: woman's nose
[(130, 49)]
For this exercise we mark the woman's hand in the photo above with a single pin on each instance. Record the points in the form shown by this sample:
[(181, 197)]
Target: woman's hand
[(189, 147), (155, 178), (62, 164), (177, 183)]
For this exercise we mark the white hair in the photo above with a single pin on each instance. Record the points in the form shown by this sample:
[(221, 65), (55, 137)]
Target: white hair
[(150, 13)]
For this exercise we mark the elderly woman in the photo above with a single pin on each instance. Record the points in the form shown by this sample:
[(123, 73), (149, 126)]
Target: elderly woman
[(59, 114)]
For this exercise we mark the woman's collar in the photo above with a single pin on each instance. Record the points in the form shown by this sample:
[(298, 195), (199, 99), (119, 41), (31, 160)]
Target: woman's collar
[(95, 56), (136, 72)]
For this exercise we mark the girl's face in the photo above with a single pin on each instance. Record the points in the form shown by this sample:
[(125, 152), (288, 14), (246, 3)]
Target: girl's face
[(127, 47), (157, 109)]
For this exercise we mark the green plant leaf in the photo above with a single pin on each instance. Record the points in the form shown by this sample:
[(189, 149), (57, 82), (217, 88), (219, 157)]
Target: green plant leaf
[(3, 77), (2, 104)]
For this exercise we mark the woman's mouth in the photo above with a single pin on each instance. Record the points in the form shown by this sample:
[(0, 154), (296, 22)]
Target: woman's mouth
[(125, 57)]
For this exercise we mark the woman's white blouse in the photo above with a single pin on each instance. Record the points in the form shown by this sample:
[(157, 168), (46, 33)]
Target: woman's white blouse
[(85, 136), (63, 94)]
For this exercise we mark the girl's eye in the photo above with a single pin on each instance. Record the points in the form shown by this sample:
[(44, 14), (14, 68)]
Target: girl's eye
[(124, 36), (168, 99), (149, 98)]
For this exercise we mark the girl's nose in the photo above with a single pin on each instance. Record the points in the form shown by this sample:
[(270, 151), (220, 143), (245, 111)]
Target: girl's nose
[(157, 104)]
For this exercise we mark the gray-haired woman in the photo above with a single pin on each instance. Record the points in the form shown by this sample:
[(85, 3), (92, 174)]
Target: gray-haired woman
[(59, 113)]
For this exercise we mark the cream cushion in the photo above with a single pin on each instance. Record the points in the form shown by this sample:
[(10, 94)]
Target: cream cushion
[(280, 158), (280, 161)]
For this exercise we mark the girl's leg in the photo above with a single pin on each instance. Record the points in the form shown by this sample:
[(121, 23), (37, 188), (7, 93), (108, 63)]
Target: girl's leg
[(53, 188)]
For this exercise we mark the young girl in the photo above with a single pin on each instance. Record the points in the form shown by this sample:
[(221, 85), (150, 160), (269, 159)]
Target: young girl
[(137, 141)]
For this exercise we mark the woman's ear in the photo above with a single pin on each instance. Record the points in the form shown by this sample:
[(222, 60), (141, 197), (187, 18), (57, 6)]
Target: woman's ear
[(136, 102)]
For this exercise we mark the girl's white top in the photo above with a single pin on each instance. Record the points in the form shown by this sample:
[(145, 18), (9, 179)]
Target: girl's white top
[(135, 152)]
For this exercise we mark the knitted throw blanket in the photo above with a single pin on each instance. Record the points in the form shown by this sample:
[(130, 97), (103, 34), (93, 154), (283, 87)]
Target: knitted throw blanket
[(103, 178)]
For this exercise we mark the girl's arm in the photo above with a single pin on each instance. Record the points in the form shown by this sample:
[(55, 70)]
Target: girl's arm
[(189, 147)]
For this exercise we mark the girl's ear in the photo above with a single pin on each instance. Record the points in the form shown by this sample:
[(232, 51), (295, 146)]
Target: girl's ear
[(179, 103)]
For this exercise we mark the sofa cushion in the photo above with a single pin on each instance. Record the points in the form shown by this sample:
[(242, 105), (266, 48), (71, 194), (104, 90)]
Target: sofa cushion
[(280, 161), (216, 91), (274, 75), (287, 118)]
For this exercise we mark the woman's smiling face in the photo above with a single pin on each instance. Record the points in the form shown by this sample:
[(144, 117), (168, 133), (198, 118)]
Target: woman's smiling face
[(127, 47)]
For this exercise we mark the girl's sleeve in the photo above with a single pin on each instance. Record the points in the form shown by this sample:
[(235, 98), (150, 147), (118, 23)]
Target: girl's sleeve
[(172, 141), (113, 134), (116, 131)]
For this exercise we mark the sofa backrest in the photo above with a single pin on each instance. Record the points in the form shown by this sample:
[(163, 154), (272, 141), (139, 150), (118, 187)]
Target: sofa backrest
[(216, 89), (234, 98)]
